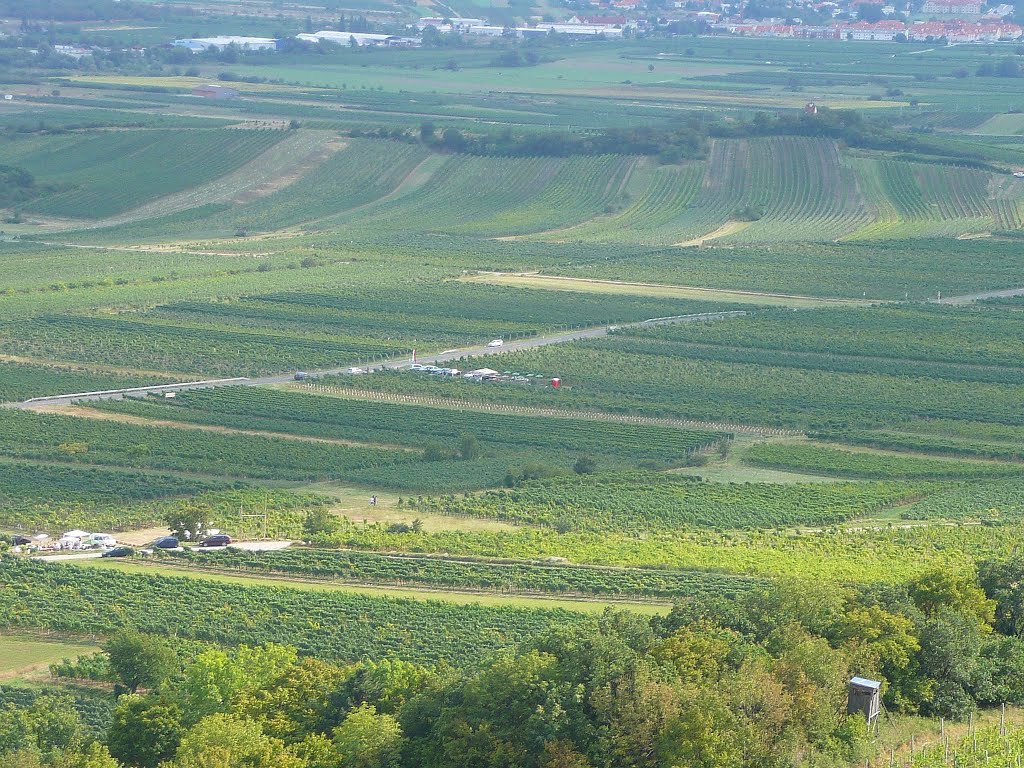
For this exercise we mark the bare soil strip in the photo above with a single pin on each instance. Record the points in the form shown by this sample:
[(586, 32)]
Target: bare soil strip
[(558, 282), (729, 228)]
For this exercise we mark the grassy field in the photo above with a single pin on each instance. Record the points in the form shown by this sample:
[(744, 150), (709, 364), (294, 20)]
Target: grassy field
[(25, 657)]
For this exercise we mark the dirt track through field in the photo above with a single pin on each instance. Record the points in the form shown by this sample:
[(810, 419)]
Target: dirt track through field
[(729, 228)]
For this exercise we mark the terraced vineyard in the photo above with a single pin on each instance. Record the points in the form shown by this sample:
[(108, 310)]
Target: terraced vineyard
[(464, 189), (581, 188), (653, 216), (360, 173), (927, 200), (105, 173), (778, 188)]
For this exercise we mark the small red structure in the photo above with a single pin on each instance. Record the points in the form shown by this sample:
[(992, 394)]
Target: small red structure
[(556, 383)]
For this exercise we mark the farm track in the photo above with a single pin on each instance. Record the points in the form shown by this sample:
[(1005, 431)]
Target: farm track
[(522, 410), (729, 228)]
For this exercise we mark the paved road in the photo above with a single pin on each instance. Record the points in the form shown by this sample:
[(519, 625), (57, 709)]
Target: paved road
[(441, 357)]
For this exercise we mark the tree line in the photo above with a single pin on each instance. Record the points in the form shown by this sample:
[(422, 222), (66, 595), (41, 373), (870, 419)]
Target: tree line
[(685, 140)]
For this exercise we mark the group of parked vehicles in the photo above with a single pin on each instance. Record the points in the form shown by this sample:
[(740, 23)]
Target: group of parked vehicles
[(80, 541)]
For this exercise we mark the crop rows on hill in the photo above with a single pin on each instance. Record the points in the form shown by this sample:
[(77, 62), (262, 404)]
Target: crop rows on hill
[(581, 188), (928, 200), (357, 174), (834, 462), (109, 172), (462, 574), (464, 189), (639, 503), (414, 425), (652, 218), (89, 441), (333, 626)]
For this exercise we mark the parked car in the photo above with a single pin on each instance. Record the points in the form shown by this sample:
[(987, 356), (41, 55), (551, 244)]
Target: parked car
[(496, 343), (218, 540), (355, 370), (167, 542), (20, 541), (301, 376), (119, 552)]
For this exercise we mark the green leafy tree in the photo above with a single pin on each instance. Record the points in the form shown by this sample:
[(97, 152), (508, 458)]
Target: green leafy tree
[(959, 591), (227, 741), (368, 739), (144, 732), (140, 660), (1004, 583), (216, 677)]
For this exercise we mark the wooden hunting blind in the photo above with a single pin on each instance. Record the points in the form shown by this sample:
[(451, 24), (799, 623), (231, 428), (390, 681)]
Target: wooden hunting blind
[(865, 697)]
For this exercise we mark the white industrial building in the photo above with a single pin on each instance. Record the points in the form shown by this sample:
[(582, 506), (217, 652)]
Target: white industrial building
[(360, 38), (245, 43)]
